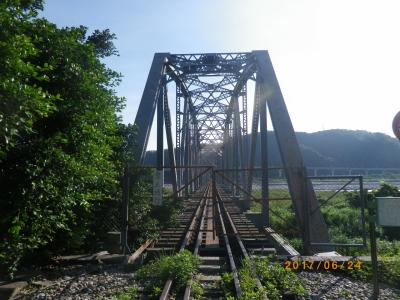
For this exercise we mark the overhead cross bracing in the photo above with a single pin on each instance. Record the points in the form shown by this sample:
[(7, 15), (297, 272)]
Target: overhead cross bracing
[(210, 80), (211, 124)]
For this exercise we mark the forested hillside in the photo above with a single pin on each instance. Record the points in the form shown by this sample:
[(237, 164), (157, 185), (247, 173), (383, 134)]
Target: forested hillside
[(335, 148)]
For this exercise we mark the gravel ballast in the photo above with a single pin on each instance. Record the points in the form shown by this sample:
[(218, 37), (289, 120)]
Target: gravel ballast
[(89, 282), (325, 285), (80, 283)]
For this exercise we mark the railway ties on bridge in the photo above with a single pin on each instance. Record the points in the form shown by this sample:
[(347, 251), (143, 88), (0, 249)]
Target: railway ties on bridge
[(214, 228)]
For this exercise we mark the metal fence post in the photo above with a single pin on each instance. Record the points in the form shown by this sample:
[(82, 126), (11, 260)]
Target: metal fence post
[(374, 255), (307, 211)]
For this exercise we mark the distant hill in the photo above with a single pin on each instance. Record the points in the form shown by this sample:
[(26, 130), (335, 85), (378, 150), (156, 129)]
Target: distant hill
[(348, 148), (334, 148)]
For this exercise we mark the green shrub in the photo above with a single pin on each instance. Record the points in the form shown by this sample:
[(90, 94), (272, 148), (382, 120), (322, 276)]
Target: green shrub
[(275, 280), (180, 267), (59, 132), (132, 293), (389, 270), (226, 284)]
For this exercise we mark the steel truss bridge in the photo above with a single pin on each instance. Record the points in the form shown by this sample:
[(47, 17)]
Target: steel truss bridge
[(211, 128)]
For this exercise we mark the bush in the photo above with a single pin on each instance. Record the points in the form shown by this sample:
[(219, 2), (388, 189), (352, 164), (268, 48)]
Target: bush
[(181, 268), (59, 127), (276, 280), (132, 293)]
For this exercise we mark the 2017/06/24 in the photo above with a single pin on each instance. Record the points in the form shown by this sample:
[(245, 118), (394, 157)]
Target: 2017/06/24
[(322, 265)]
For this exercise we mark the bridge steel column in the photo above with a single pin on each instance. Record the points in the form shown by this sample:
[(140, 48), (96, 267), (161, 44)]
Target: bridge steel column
[(155, 95), (264, 162), (253, 143), (160, 130), (145, 115), (170, 143), (237, 142), (290, 151)]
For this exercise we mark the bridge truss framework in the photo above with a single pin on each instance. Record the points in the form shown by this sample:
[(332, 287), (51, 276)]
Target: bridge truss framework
[(211, 125)]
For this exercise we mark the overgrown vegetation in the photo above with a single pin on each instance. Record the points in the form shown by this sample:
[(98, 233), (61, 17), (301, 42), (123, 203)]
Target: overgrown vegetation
[(343, 216), (275, 279), (146, 219), (132, 293), (181, 268), (62, 146), (59, 128)]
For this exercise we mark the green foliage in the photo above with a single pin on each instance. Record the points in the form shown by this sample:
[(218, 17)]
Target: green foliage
[(275, 280), (196, 290), (59, 132), (146, 219), (297, 244), (388, 271), (227, 285), (22, 98), (180, 267), (102, 42), (384, 190), (282, 217), (132, 293), (343, 217)]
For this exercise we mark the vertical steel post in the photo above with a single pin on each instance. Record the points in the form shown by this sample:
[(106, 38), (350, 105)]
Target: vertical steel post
[(145, 115), (231, 173), (178, 133), (253, 143), (290, 151), (306, 227), (160, 140), (170, 143), (264, 162), (234, 155), (238, 143), (362, 199), (184, 146), (190, 163), (374, 255)]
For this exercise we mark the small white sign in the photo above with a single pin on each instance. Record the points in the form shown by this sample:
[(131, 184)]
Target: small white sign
[(158, 184), (388, 211)]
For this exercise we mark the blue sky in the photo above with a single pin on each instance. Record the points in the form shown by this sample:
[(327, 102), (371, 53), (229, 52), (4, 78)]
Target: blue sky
[(338, 62)]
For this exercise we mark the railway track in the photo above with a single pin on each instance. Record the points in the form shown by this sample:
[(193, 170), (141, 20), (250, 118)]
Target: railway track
[(215, 230)]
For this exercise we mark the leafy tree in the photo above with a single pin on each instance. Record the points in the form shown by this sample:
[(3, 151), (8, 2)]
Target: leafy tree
[(59, 131), (22, 100)]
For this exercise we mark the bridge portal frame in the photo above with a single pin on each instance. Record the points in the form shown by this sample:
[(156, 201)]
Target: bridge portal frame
[(194, 133)]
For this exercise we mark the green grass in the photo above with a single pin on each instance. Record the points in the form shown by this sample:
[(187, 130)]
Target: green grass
[(343, 217), (282, 217), (132, 293), (275, 281), (181, 268)]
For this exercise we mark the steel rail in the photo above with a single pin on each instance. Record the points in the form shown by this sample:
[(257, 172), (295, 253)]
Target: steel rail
[(237, 236), (232, 264), (168, 284), (207, 199), (199, 239)]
